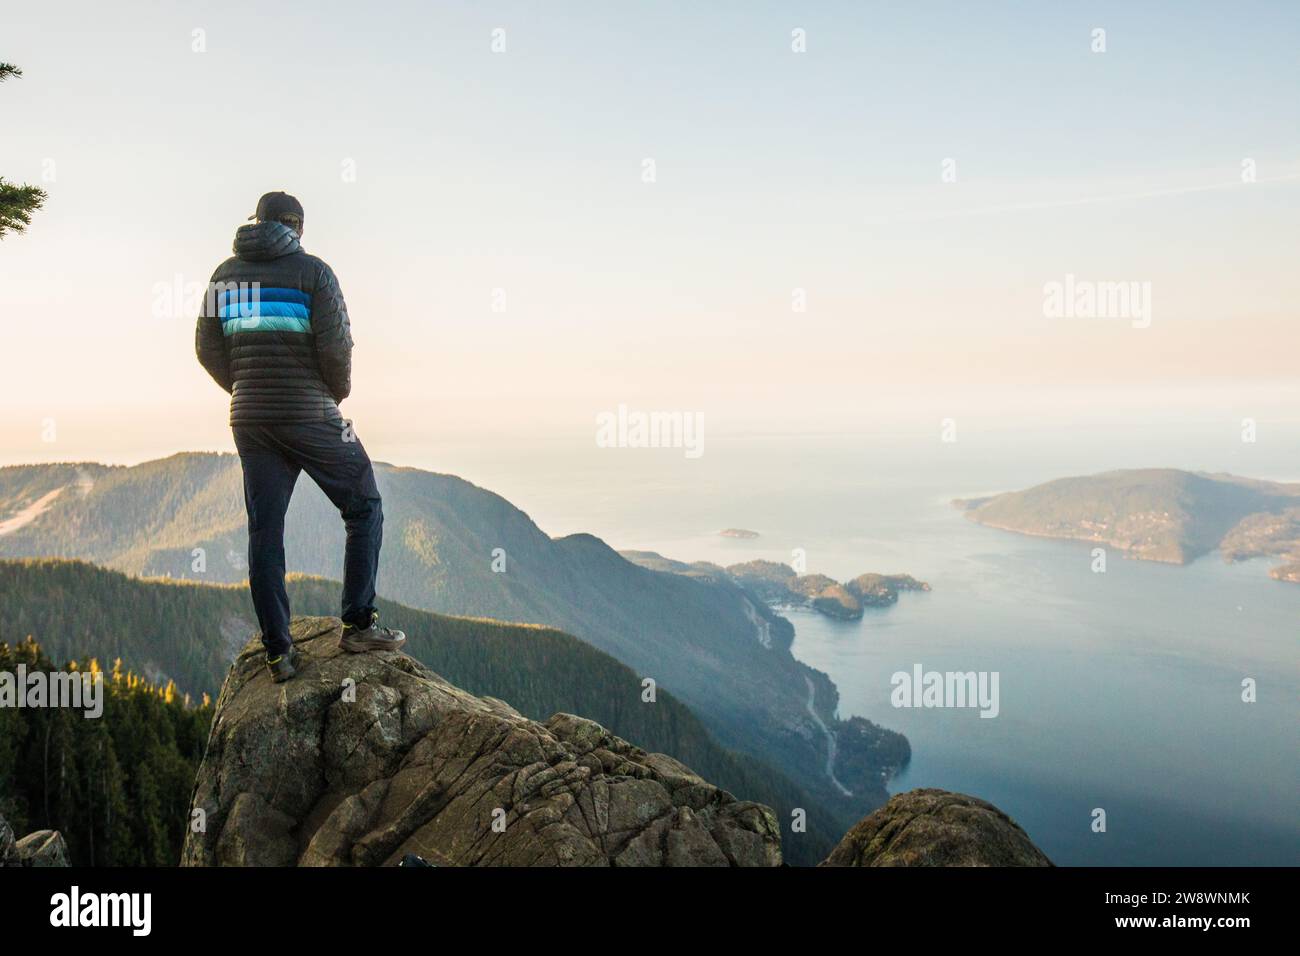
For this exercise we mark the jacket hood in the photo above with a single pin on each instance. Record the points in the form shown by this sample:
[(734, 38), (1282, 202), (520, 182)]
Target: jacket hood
[(259, 241)]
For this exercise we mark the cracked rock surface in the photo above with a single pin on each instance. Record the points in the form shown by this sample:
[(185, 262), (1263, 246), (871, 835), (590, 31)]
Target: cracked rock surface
[(364, 758), (930, 827)]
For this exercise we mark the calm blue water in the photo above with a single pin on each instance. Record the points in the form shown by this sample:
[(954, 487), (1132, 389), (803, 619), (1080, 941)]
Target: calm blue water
[(1118, 691)]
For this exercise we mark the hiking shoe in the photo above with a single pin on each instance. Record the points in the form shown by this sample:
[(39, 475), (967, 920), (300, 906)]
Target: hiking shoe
[(283, 667), (355, 639)]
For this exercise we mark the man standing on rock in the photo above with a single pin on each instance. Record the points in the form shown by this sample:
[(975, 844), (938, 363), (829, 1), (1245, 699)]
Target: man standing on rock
[(274, 333)]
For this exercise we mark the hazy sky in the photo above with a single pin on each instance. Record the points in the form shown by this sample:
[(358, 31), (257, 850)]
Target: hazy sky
[(523, 171)]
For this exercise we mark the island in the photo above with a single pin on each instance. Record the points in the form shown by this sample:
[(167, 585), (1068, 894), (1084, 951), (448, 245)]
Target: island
[(1157, 514), (780, 584), (737, 533)]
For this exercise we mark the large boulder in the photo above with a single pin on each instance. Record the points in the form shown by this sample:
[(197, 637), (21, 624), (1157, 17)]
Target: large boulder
[(362, 760), (43, 848), (931, 827)]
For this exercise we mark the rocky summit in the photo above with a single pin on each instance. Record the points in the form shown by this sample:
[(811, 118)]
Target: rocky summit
[(930, 827), (369, 759), (374, 760)]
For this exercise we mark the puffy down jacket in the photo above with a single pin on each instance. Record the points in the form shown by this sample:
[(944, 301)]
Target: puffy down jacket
[(274, 331)]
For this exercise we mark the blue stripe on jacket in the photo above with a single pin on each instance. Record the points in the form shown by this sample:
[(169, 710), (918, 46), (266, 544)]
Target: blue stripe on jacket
[(265, 323), (255, 293), (251, 310)]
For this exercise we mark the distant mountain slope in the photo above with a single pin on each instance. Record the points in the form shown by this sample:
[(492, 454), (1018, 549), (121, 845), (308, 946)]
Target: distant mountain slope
[(713, 644), (1156, 514), (189, 632)]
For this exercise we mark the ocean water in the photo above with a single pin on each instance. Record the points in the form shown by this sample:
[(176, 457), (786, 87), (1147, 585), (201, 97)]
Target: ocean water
[(1119, 691)]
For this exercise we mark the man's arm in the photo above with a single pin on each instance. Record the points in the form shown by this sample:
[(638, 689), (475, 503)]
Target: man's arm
[(333, 332), (210, 343)]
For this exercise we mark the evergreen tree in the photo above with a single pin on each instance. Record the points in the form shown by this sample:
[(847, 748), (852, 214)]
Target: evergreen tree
[(17, 202), (117, 787)]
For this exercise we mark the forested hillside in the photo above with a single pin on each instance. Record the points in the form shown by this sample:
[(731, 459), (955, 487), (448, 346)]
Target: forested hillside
[(116, 786)]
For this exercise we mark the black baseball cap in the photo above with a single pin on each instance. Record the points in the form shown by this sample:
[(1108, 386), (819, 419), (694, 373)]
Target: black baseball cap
[(275, 205)]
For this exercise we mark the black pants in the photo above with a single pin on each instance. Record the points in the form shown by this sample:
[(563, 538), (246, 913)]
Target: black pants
[(272, 456)]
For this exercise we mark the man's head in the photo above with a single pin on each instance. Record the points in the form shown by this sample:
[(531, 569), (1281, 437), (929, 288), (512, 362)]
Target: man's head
[(282, 208)]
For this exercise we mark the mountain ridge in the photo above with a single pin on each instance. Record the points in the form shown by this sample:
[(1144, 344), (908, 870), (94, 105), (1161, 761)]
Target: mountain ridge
[(713, 644)]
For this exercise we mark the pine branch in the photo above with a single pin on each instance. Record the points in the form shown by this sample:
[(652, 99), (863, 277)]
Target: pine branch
[(17, 203)]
